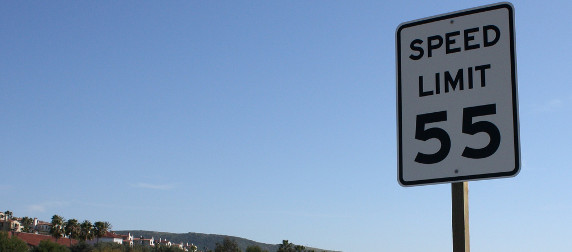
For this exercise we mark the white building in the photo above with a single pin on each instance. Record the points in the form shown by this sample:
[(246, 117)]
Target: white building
[(128, 239), (108, 237), (143, 241)]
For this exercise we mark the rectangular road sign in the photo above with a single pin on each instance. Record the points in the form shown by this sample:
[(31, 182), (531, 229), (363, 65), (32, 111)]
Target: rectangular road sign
[(457, 109)]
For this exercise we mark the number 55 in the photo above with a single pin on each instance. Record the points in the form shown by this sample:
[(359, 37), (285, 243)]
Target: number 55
[(469, 127)]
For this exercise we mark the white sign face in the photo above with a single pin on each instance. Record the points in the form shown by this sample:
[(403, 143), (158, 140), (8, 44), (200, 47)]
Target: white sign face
[(457, 97)]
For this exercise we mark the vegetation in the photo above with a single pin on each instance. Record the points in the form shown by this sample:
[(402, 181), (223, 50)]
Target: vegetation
[(227, 245), (27, 224), (255, 248), (72, 229), (12, 244), (81, 247), (57, 229), (203, 242), (164, 248), (8, 214), (100, 228), (49, 246), (85, 231), (290, 247), (208, 242), (114, 247)]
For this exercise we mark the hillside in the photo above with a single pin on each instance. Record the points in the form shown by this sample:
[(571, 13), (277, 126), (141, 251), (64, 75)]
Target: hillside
[(203, 241)]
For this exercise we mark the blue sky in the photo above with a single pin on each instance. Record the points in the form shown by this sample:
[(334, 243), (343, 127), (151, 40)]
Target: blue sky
[(267, 120)]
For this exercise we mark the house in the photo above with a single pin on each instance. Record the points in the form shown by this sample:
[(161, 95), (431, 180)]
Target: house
[(144, 241), (128, 239), (165, 242), (42, 227), (10, 225), (35, 224), (108, 237), (181, 245), (190, 247)]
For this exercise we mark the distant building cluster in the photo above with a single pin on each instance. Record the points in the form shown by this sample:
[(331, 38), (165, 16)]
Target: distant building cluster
[(10, 223), (40, 230)]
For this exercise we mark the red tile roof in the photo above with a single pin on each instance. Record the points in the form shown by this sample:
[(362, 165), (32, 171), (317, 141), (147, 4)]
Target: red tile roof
[(112, 235), (35, 239)]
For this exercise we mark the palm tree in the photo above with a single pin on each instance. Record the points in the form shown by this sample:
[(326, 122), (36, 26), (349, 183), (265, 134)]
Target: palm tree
[(101, 228), (72, 229), (57, 229), (86, 230), (27, 224), (8, 214)]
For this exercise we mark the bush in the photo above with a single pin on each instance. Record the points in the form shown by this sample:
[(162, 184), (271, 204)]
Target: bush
[(12, 244), (110, 247), (49, 246), (81, 247)]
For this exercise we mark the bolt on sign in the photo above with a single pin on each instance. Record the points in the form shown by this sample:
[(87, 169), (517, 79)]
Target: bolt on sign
[(457, 108)]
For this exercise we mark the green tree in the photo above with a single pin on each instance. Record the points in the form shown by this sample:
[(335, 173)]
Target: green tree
[(86, 231), (164, 248), (27, 224), (57, 229), (8, 214), (286, 247), (72, 229), (299, 248), (101, 228), (49, 246), (290, 247), (255, 248), (227, 245), (193, 248), (12, 244)]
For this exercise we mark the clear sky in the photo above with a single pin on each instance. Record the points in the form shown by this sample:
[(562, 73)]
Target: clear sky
[(267, 120)]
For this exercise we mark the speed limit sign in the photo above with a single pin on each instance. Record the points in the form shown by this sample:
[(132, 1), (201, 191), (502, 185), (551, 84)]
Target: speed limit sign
[(457, 109)]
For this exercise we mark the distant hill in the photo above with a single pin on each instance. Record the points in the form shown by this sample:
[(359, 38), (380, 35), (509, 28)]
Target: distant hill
[(203, 241)]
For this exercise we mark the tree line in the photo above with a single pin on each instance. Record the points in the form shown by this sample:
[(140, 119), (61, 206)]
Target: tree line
[(73, 229)]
